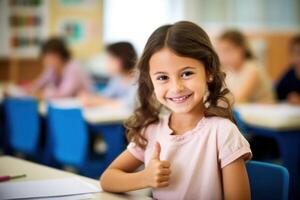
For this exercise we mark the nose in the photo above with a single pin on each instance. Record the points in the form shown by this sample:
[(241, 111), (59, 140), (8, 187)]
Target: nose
[(178, 85)]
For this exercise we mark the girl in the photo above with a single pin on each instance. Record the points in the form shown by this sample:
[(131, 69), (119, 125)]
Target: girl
[(121, 59), (61, 77), (195, 151), (248, 81)]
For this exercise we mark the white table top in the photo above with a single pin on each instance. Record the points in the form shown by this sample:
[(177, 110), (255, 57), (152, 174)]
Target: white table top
[(276, 116), (13, 166), (93, 115)]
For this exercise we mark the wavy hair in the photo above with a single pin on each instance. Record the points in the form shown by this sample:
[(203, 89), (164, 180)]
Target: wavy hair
[(185, 39)]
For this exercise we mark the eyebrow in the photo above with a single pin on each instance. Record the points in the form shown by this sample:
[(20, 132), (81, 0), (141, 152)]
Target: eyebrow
[(185, 68)]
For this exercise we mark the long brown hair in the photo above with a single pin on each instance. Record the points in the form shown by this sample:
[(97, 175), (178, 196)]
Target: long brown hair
[(188, 40)]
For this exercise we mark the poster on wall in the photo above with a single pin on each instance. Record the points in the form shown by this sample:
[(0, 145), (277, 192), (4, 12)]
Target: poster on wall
[(77, 3), (74, 30)]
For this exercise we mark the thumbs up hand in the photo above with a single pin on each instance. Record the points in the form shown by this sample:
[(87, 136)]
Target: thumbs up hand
[(157, 173)]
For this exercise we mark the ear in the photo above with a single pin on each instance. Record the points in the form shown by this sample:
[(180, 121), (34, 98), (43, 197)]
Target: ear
[(209, 77)]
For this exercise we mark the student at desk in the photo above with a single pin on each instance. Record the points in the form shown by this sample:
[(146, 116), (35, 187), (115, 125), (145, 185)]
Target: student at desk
[(195, 151), (248, 81), (288, 88), (62, 77), (121, 88)]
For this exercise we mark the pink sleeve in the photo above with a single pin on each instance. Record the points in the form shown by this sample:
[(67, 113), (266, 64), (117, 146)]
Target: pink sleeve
[(70, 83), (45, 78), (232, 144), (136, 151)]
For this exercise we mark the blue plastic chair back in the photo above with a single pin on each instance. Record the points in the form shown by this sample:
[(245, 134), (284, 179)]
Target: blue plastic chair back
[(22, 124), (114, 137), (268, 181), (68, 135), (240, 123)]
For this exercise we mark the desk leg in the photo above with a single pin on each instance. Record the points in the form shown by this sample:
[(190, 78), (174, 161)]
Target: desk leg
[(289, 145)]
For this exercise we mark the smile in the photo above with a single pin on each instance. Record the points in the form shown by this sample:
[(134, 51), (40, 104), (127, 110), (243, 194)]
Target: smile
[(180, 99)]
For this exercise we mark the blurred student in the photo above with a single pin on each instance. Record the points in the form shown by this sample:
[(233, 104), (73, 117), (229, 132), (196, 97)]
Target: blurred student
[(288, 88), (61, 77), (247, 80), (120, 90)]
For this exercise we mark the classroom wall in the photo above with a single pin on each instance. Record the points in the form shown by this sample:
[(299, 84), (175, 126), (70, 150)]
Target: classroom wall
[(86, 16), (276, 51), (56, 14)]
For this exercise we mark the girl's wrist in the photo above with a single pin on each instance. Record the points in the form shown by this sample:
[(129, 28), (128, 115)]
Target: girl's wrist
[(143, 178)]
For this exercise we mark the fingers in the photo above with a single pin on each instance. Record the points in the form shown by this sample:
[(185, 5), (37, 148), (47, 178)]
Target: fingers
[(165, 164), (156, 151), (162, 184), (164, 172)]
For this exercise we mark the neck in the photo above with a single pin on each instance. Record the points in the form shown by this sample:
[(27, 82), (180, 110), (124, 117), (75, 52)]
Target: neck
[(183, 122)]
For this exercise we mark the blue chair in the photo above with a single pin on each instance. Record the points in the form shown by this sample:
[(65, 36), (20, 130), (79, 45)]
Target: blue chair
[(22, 125), (240, 123), (268, 181), (114, 137), (69, 140)]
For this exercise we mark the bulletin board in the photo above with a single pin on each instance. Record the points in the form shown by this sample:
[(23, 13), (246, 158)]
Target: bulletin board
[(80, 21)]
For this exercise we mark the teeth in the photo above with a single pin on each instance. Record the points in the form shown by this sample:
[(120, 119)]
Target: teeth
[(180, 99)]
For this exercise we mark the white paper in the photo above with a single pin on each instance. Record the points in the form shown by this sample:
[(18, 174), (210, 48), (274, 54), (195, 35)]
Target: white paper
[(71, 197), (46, 188)]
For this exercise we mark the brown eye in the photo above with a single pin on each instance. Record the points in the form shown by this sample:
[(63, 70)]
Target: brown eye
[(162, 78), (186, 74)]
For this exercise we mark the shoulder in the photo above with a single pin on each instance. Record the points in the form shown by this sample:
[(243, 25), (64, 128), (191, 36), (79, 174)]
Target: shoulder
[(252, 66), (151, 131), (220, 122), (290, 72), (222, 127), (287, 75), (73, 65)]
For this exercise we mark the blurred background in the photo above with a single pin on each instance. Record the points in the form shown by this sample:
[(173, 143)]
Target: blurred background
[(89, 25), (67, 75)]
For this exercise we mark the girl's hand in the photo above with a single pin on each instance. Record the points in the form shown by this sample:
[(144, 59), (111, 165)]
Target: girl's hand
[(157, 173)]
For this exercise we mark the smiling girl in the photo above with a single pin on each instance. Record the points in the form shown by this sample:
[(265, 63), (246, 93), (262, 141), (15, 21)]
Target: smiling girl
[(195, 151)]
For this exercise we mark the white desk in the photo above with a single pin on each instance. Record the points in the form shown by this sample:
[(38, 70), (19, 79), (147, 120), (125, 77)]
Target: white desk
[(93, 115), (276, 116), (12, 166)]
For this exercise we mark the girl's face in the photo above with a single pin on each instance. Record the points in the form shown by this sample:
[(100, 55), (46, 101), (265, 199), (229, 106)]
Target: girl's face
[(114, 65), (179, 82), (231, 56), (53, 61)]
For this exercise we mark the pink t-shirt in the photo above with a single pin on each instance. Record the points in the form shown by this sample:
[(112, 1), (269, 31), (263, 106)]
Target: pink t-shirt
[(197, 156), (71, 83)]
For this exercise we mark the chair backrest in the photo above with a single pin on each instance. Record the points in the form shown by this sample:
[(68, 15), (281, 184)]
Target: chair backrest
[(114, 137), (22, 124), (68, 134), (268, 181), (240, 123)]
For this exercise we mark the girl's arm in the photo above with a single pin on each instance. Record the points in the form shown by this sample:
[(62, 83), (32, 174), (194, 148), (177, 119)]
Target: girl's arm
[(235, 181), (120, 175)]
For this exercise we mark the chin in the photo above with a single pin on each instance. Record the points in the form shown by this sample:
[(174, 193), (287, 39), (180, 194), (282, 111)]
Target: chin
[(180, 109)]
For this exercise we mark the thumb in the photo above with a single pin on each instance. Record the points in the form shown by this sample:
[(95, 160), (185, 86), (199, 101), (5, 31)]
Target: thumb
[(156, 151)]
